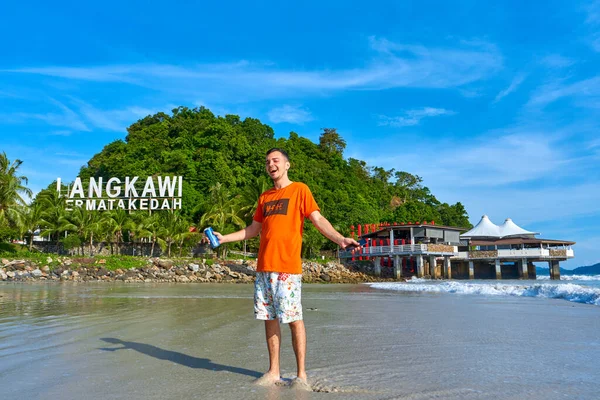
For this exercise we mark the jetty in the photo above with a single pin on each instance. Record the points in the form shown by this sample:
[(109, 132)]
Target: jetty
[(488, 251)]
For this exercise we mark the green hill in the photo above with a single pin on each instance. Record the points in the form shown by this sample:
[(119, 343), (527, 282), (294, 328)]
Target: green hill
[(208, 150)]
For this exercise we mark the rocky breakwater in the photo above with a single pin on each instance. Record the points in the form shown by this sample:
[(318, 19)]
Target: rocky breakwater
[(164, 270)]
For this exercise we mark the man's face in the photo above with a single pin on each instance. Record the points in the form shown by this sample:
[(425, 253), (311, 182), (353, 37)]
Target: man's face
[(276, 165)]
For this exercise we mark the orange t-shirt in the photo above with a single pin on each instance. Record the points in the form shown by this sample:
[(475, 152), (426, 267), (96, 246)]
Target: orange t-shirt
[(282, 212)]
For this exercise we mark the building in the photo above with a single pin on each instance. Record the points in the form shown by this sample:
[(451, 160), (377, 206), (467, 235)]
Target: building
[(487, 251)]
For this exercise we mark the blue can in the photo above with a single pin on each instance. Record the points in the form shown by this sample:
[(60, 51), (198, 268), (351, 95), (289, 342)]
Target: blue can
[(214, 242)]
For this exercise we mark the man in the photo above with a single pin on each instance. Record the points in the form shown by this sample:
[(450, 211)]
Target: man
[(279, 219)]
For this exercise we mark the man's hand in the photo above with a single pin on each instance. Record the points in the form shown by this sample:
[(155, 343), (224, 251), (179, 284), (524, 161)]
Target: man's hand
[(348, 242), (220, 237)]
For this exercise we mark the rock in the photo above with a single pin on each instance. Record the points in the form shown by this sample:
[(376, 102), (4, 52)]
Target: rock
[(74, 274), (194, 267), (36, 273), (64, 273), (46, 269), (49, 260), (67, 262), (3, 275), (325, 277)]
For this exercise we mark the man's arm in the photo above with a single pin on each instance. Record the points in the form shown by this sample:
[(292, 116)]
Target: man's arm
[(247, 233), (325, 227)]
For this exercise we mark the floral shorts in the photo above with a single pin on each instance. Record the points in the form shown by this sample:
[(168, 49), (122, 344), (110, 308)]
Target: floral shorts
[(277, 296)]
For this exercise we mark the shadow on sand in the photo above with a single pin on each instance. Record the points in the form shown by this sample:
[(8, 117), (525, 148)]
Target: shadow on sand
[(179, 358)]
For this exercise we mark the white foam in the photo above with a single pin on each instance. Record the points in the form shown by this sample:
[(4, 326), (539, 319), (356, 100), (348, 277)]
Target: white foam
[(565, 291), (572, 277)]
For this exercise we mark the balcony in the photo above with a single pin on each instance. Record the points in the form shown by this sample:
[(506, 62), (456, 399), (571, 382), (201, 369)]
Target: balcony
[(402, 250), (516, 253)]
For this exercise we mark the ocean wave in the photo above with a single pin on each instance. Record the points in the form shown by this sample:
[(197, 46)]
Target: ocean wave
[(564, 291), (572, 277)]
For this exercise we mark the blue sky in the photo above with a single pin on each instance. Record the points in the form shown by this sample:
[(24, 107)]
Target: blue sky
[(495, 104)]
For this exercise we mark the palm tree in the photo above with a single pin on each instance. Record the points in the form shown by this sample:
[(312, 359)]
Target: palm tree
[(118, 221), (53, 220), (250, 195), (29, 219), (11, 185), (84, 223), (223, 213), (172, 229)]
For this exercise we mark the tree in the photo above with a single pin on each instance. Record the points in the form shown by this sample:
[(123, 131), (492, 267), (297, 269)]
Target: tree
[(223, 214), (173, 227), (331, 142), (12, 185), (29, 220), (117, 221)]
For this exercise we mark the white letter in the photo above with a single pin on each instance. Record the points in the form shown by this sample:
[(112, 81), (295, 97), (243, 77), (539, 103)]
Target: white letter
[(69, 205), (109, 191), (177, 204), (149, 188), (165, 204), (58, 186), (101, 205), (129, 188), (90, 205), (95, 188), (180, 186), (121, 204), (111, 202), (77, 189), (143, 204), (131, 205), (153, 204), (78, 203), (167, 184)]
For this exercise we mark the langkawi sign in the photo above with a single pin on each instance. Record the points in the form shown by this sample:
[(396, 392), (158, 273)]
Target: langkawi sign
[(158, 193)]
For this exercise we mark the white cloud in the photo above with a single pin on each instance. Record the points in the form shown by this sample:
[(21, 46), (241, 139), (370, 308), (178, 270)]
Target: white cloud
[(290, 114), (111, 120), (587, 89), (65, 118), (557, 61), (516, 82), (393, 65), (413, 117), (593, 23)]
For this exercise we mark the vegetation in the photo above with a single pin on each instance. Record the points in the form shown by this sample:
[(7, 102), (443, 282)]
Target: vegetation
[(221, 160)]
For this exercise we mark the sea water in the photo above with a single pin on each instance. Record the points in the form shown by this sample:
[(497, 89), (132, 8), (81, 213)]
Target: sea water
[(200, 341), (576, 288)]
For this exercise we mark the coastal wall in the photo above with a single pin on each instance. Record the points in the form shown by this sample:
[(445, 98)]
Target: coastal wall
[(66, 269), (106, 249)]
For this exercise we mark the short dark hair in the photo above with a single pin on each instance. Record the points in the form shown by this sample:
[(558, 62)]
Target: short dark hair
[(274, 149)]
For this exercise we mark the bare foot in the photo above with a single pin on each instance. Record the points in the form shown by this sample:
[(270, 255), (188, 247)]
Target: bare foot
[(301, 384), (267, 379)]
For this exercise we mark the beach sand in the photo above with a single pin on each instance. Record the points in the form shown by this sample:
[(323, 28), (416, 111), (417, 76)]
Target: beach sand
[(200, 341)]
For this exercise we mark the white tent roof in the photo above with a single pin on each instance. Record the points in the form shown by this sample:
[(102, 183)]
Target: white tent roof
[(509, 228), (485, 228)]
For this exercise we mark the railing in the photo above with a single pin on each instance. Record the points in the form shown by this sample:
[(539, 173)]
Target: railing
[(516, 253), (406, 249), (524, 252)]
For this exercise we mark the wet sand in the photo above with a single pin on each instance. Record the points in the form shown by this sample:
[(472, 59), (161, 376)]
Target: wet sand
[(200, 341)]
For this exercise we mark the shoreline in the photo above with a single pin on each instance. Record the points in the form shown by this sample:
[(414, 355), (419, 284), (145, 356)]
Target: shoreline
[(157, 270)]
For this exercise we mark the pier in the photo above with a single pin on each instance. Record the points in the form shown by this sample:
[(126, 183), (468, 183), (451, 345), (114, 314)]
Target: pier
[(487, 251)]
